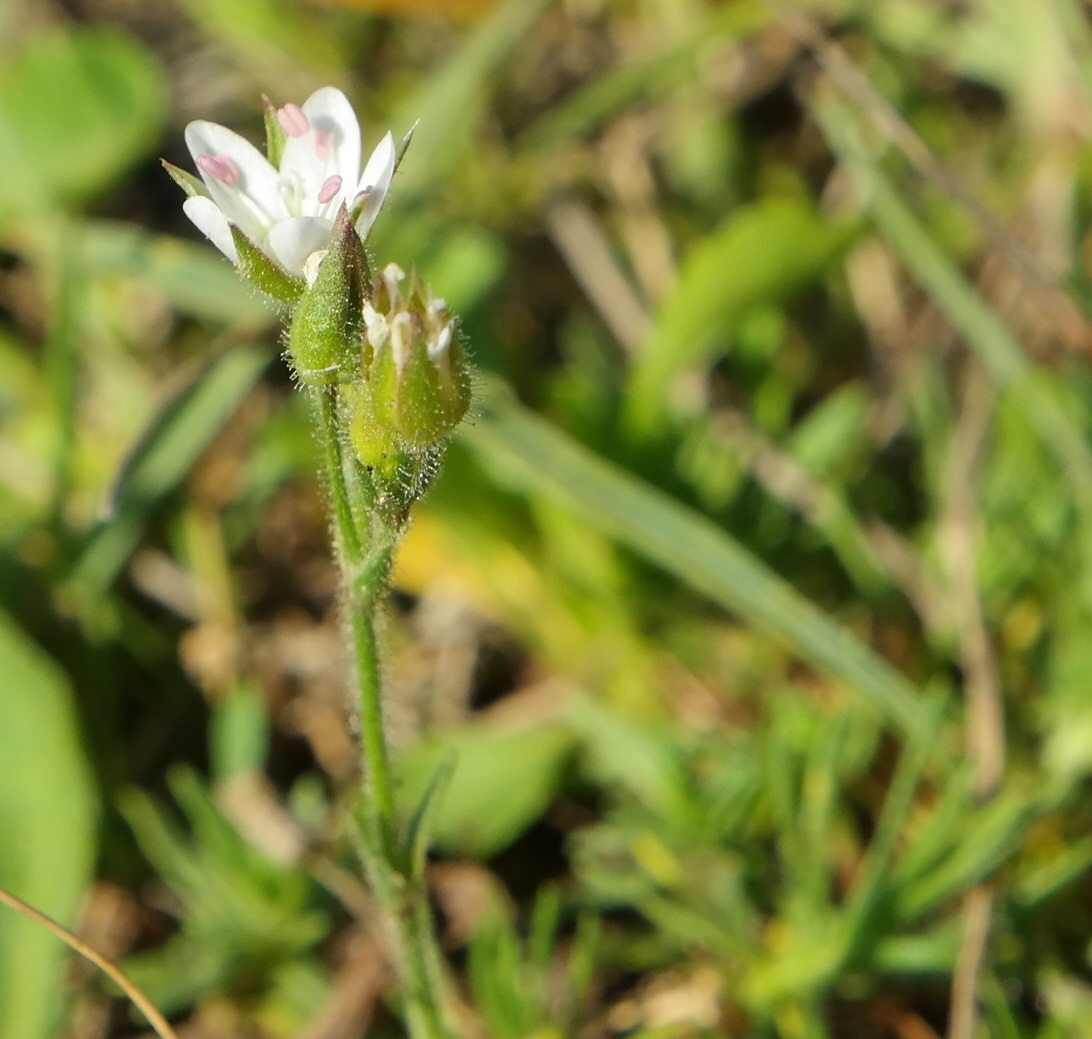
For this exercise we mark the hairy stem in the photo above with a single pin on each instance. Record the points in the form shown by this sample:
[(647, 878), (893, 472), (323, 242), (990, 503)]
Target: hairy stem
[(365, 541), (376, 759)]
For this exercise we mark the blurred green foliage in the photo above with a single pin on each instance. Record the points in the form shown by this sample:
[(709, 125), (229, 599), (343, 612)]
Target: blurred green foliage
[(752, 608)]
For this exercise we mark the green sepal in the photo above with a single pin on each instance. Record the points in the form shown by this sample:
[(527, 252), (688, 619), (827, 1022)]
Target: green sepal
[(399, 472), (408, 398), (375, 444), (454, 388), (425, 398), (403, 145), (275, 137), (325, 335), (191, 185), (263, 273)]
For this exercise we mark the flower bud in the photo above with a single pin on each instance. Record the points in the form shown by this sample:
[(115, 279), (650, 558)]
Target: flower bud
[(324, 337), (418, 386)]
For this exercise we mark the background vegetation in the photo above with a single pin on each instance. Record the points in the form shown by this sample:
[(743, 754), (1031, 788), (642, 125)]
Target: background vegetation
[(756, 598)]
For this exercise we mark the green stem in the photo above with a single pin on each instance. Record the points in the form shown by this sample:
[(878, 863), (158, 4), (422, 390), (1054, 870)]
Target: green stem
[(376, 759), (408, 919), (349, 546), (364, 566), (365, 545)]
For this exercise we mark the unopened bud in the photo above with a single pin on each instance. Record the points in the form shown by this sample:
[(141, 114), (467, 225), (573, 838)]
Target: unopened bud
[(324, 337), (417, 375)]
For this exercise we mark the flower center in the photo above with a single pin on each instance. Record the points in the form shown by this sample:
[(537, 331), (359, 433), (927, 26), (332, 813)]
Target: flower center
[(220, 167), (292, 192)]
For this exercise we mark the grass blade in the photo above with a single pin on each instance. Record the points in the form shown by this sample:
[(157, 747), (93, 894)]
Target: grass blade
[(542, 460), (984, 332)]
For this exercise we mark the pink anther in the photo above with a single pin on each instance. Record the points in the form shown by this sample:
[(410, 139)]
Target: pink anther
[(219, 167), (324, 145), (330, 187), (293, 120)]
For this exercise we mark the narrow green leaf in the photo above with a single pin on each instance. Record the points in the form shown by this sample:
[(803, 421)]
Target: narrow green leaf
[(1044, 880), (417, 833), (487, 759), (873, 880), (988, 840), (170, 448), (450, 104), (239, 732)]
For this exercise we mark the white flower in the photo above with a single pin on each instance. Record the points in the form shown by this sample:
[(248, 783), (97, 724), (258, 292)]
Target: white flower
[(288, 213)]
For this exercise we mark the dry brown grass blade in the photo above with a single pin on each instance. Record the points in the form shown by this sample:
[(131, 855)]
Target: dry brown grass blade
[(842, 71), (140, 1001), (981, 679)]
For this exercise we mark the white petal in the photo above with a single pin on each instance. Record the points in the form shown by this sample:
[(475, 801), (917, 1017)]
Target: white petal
[(212, 223), (254, 203), (331, 147), (376, 177), (292, 241)]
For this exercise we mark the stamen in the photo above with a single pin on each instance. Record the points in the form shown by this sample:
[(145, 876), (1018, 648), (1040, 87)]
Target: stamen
[(219, 167), (293, 120), (324, 145), (291, 188), (330, 187)]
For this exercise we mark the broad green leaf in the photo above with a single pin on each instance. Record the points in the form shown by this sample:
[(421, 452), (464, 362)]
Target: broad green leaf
[(833, 430), (469, 817), (77, 108), (642, 758), (529, 454), (194, 278), (274, 37), (47, 817), (762, 254)]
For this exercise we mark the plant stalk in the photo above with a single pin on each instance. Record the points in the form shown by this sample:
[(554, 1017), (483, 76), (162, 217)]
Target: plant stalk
[(365, 542)]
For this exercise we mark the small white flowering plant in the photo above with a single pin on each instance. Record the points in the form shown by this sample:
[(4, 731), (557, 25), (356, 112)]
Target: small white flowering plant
[(277, 211), (387, 371)]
